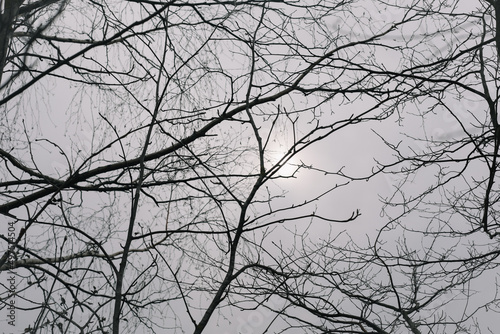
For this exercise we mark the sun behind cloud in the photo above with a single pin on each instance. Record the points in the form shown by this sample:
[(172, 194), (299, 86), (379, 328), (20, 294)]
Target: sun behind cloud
[(280, 155)]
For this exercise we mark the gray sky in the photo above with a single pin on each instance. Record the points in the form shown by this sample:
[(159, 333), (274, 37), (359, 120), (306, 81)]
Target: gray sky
[(76, 119)]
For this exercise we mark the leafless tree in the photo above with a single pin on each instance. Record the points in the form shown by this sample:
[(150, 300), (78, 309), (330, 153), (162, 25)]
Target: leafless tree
[(433, 267), (144, 145)]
